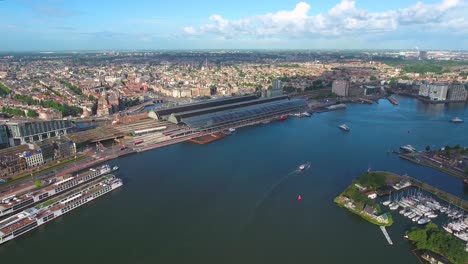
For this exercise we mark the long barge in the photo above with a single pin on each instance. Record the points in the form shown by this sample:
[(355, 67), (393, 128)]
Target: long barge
[(14, 203), (29, 219)]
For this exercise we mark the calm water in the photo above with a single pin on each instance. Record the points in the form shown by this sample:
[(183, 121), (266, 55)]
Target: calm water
[(235, 200)]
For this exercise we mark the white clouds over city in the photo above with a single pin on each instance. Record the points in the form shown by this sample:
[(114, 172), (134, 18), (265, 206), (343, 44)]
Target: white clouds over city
[(345, 18)]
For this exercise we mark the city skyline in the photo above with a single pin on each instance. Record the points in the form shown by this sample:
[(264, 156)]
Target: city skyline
[(363, 24)]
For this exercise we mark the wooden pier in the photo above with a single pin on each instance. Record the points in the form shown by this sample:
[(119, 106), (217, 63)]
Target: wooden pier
[(387, 236)]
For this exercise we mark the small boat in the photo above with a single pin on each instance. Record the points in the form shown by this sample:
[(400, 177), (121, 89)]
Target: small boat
[(416, 218), (115, 168), (304, 166), (423, 221), (446, 228), (432, 215), (394, 206), (402, 211), (283, 117), (386, 202), (306, 114), (344, 127), (456, 120), (232, 130)]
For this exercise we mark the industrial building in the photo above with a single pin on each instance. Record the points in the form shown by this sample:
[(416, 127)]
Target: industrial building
[(218, 113), (27, 132), (457, 92)]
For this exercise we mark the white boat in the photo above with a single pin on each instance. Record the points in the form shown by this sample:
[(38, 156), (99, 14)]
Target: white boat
[(394, 206), (423, 221), (416, 218), (456, 120), (304, 166), (307, 114), (402, 211), (446, 228), (344, 127), (232, 130), (432, 215), (115, 168), (386, 202), (408, 148)]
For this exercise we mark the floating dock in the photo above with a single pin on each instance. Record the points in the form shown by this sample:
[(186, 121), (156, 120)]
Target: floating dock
[(384, 231), (392, 100)]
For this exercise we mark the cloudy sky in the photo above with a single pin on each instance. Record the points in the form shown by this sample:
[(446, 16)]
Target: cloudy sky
[(216, 24)]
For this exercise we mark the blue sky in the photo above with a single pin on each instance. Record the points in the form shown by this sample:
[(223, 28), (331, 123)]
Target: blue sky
[(27, 25)]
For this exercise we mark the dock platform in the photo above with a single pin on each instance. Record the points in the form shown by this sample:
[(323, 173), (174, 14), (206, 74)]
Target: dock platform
[(387, 236)]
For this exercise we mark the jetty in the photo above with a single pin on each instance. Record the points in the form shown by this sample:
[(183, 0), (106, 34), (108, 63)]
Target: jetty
[(392, 100), (387, 236)]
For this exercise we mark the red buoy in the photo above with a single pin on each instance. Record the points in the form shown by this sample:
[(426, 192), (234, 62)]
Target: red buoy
[(299, 197)]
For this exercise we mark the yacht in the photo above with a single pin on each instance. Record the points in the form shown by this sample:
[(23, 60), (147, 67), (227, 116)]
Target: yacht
[(344, 127), (423, 221)]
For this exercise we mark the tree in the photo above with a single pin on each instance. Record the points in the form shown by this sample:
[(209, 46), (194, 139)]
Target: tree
[(32, 113), (38, 183), (373, 78), (428, 148)]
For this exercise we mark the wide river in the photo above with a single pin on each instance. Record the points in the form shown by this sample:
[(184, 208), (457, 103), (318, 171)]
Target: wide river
[(235, 200)]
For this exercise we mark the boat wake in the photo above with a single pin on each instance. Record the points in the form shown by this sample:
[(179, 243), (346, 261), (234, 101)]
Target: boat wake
[(300, 170)]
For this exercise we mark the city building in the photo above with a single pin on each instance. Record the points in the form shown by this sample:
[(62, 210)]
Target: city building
[(103, 105), (11, 165), (3, 136), (65, 148), (435, 92), (33, 156), (340, 88), (371, 90), (457, 92), (276, 89), (47, 149)]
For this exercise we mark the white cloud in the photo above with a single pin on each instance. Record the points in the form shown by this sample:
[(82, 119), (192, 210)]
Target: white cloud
[(342, 19)]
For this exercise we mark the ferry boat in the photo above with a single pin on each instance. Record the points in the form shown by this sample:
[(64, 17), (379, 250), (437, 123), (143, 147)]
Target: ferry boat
[(456, 120), (344, 127), (31, 218), (14, 203), (408, 148), (423, 221), (304, 166)]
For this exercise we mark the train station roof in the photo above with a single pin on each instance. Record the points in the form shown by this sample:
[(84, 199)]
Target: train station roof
[(161, 113), (177, 117), (243, 114)]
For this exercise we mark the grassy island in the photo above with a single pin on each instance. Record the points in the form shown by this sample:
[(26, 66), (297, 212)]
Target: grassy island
[(359, 197), (433, 239)]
